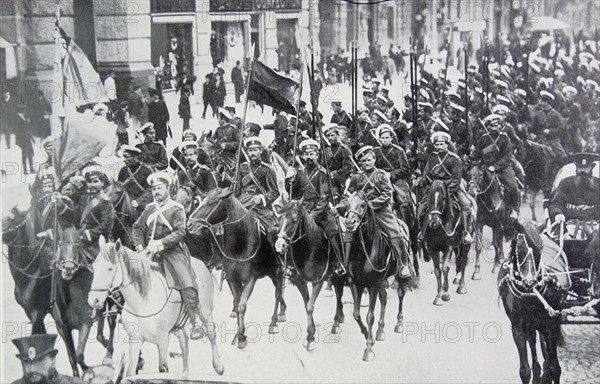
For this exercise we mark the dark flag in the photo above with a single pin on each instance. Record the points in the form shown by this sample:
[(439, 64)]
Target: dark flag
[(272, 89)]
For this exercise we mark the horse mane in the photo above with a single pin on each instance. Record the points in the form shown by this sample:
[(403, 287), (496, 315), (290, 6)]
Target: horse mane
[(237, 211), (314, 233), (137, 266), (370, 218), (116, 190)]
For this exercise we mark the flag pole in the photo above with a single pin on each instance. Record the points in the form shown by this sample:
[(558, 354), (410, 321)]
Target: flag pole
[(241, 141), (297, 117)]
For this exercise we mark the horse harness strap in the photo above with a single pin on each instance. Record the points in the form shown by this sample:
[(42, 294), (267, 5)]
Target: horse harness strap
[(441, 164), (154, 216)]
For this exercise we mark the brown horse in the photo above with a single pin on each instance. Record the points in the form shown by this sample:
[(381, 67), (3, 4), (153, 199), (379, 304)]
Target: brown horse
[(245, 252)]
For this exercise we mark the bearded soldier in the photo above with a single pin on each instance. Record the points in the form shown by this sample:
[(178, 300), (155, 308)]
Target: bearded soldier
[(197, 176), (160, 231), (338, 157)]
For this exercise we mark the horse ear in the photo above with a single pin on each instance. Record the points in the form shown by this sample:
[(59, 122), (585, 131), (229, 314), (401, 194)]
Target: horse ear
[(101, 241), (118, 245)]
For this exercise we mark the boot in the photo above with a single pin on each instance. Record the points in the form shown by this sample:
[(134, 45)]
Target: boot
[(340, 268), (468, 225), (397, 248), (197, 331), (189, 297)]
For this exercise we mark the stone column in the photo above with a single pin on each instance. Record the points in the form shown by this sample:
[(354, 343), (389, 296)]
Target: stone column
[(202, 59)]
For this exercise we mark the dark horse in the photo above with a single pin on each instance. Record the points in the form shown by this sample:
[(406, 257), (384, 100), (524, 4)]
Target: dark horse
[(444, 235), (246, 253), (530, 301), (493, 211), (39, 287), (370, 265), (307, 251), (125, 213)]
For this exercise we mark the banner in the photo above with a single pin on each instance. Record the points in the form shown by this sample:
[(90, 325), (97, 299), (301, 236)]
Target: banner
[(270, 88)]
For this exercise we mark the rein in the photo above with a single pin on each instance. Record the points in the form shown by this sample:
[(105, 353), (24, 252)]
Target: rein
[(478, 194)]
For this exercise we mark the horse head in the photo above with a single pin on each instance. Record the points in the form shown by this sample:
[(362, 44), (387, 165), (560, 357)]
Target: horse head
[(185, 197), (526, 249), (12, 223), (357, 210), (436, 201), (290, 222), (211, 211), (475, 176), (120, 199), (68, 252), (107, 274)]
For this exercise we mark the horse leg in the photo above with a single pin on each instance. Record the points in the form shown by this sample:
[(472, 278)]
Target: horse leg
[(478, 246), (210, 329), (339, 317), (536, 369), (64, 332), (110, 345), (438, 277), (278, 283), (282, 305), (400, 317), (445, 269), (369, 355), (498, 248), (531, 198), (462, 258), (135, 347), (520, 338), (184, 341), (357, 292), (36, 317), (236, 289), (552, 369), (380, 336), (163, 353), (241, 310), (84, 332)]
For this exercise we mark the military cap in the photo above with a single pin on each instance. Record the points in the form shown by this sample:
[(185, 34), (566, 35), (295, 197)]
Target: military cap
[(500, 108), (377, 80), (367, 91), (331, 127), (363, 151), (457, 107), (35, 347), (383, 128), (424, 105), (385, 89), (309, 145), (546, 94), (145, 127), (453, 93), (161, 177), (382, 98), (520, 92), (501, 83), (130, 149), (336, 101), (362, 109), (254, 128), (591, 83), (492, 117), (100, 107), (569, 89), (440, 135), (503, 99), (583, 159), (187, 144), (252, 142), (153, 92), (381, 115), (302, 103), (225, 114), (189, 132), (423, 93), (94, 171)]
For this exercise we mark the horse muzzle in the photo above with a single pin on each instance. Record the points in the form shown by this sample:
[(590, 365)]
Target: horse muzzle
[(68, 269), (281, 245), (96, 299)]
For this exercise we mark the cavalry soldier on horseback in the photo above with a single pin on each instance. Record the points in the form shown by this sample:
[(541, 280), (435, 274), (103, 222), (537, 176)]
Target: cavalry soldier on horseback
[(46, 168), (256, 187), (227, 136), (338, 156), (378, 187), (176, 155), (495, 152), (311, 184), (446, 166), (392, 159), (153, 153), (196, 176), (160, 231), (96, 214), (576, 197), (547, 126), (134, 178), (341, 117)]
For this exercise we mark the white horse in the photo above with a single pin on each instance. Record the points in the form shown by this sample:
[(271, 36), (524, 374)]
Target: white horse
[(151, 309)]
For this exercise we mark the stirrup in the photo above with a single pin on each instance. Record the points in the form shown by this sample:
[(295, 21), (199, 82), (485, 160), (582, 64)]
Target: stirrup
[(467, 238)]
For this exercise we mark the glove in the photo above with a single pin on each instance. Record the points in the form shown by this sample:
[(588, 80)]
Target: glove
[(560, 218), (134, 203), (256, 200), (491, 168), (291, 173), (154, 247)]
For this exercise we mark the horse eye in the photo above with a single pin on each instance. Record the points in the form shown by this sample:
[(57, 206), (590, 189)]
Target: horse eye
[(110, 269)]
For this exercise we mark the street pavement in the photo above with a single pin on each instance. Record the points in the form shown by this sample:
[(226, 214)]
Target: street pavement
[(468, 340)]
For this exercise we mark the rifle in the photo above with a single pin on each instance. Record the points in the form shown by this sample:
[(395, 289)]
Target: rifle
[(467, 88), (241, 141), (444, 88)]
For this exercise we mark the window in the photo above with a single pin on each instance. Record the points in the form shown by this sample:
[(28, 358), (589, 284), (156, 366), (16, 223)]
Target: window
[(391, 22)]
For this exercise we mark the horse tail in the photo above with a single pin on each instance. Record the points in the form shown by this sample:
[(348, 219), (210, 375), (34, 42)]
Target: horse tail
[(409, 283)]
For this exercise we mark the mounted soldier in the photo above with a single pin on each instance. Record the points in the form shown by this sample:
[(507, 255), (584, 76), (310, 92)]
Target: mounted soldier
[(96, 216), (45, 168), (392, 159), (52, 206), (134, 177), (494, 151), (176, 155), (378, 187), (338, 156), (227, 135), (446, 166), (341, 117), (152, 153), (310, 184), (198, 177), (160, 232), (547, 126), (256, 187)]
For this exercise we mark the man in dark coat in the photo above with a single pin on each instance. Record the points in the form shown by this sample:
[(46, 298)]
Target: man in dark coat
[(196, 176), (341, 117), (237, 78), (338, 156), (160, 231), (152, 154), (158, 114), (185, 111), (133, 177), (96, 215)]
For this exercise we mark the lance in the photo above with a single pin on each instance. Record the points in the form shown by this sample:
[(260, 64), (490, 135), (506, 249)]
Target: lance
[(314, 98), (527, 76), (444, 88), (413, 97), (355, 90), (596, 38), (352, 86), (297, 116), (467, 89), (241, 141)]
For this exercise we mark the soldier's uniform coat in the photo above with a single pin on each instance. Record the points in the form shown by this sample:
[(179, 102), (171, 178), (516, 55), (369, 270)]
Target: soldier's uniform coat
[(96, 219), (167, 223), (135, 183), (258, 179), (393, 160), (154, 155), (199, 177), (229, 135), (574, 200), (56, 379)]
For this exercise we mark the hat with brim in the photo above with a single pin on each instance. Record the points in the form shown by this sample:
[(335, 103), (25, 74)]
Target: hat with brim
[(384, 128), (585, 159), (503, 99), (569, 90), (382, 98), (500, 108), (126, 148), (546, 95), (492, 117), (100, 107), (440, 136), (252, 142), (332, 127), (145, 127), (367, 92), (94, 171), (189, 132), (381, 115), (520, 92), (309, 145), (158, 178), (225, 114), (426, 106), (187, 144), (441, 124), (35, 347), (457, 107), (363, 152)]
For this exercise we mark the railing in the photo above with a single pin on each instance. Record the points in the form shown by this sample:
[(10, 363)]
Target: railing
[(169, 6), (253, 5)]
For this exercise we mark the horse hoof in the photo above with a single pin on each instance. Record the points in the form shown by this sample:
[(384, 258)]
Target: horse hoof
[(369, 355), (380, 336), (233, 314), (438, 301), (398, 328), (281, 318), (309, 345), (395, 285), (220, 369), (461, 290), (243, 344), (456, 280), (234, 341), (476, 276), (446, 296), (336, 329), (273, 329), (495, 268), (174, 355)]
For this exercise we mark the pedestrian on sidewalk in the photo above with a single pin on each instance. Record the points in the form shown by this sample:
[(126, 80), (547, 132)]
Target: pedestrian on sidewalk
[(185, 111), (237, 78), (218, 95), (207, 93), (24, 139), (8, 114), (158, 114)]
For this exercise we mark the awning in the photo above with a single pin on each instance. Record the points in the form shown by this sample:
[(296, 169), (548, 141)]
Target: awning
[(546, 23), (9, 58)]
